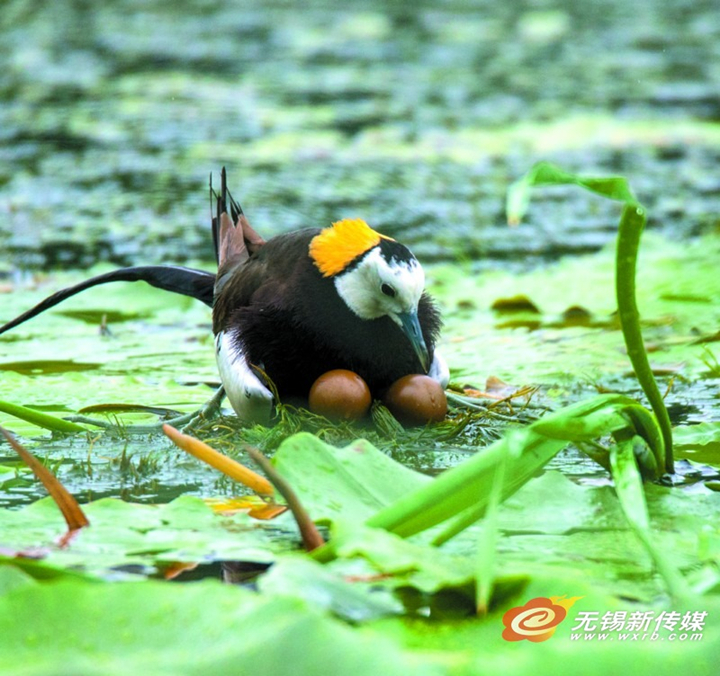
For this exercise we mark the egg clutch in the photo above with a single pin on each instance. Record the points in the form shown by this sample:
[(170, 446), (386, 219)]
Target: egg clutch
[(335, 316), (413, 399)]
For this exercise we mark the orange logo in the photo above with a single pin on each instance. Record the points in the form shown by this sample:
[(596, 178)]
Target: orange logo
[(537, 620)]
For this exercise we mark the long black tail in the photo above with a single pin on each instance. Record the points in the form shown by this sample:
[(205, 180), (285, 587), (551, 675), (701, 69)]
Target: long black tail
[(197, 284)]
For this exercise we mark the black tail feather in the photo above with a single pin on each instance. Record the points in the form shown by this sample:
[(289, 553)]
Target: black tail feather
[(221, 206), (197, 284), (214, 219)]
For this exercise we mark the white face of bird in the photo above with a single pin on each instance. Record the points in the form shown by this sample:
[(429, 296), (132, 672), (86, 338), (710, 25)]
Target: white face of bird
[(376, 287), (375, 276)]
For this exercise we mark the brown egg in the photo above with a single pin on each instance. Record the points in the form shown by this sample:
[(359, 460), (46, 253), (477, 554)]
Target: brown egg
[(340, 395), (416, 399)]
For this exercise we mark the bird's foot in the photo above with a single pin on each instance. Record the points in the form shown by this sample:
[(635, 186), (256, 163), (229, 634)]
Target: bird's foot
[(209, 410)]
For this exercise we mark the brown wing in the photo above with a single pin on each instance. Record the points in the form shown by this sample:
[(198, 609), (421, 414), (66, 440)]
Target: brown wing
[(266, 278), (236, 242)]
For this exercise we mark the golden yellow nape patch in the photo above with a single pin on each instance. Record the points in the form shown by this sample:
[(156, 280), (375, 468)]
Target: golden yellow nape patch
[(335, 247)]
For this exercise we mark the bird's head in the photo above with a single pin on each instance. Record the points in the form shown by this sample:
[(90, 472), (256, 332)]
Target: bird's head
[(374, 275)]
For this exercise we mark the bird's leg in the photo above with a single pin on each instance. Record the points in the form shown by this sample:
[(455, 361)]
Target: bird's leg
[(210, 409)]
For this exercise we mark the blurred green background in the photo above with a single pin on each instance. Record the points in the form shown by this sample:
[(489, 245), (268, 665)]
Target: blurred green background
[(413, 115)]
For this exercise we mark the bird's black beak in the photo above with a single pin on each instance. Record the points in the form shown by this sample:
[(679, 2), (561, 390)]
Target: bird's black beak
[(411, 327)]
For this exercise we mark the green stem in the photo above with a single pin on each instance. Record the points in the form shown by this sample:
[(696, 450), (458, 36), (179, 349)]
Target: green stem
[(632, 223), (48, 422)]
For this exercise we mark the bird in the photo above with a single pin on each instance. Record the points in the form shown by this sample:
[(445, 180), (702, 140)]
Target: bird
[(314, 300), (287, 310)]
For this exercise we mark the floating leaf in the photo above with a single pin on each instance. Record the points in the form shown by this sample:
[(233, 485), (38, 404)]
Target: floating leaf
[(45, 366), (145, 536), (129, 408), (703, 434), (300, 577), (186, 630), (408, 564), (352, 482), (519, 303)]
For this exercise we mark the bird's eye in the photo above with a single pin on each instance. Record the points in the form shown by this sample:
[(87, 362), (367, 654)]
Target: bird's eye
[(388, 290)]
